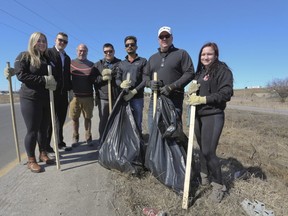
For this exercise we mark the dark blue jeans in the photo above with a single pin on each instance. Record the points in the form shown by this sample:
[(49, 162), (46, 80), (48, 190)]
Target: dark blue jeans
[(137, 105)]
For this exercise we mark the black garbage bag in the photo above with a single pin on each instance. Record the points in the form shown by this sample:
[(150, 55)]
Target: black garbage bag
[(165, 155), (121, 143)]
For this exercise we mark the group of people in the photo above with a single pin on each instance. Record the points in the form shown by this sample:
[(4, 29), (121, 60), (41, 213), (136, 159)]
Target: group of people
[(75, 81)]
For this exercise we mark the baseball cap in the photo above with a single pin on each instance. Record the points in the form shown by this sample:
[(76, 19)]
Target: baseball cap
[(166, 29)]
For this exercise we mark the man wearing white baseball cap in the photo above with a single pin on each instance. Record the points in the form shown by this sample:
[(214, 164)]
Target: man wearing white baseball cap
[(165, 29), (174, 69)]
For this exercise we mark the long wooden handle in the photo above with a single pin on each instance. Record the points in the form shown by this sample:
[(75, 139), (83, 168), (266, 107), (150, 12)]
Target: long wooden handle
[(13, 116), (154, 95), (110, 96), (128, 76), (53, 119), (185, 201)]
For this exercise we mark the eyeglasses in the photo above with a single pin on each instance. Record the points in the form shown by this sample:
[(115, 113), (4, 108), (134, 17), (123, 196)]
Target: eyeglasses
[(164, 36), (130, 44), (63, 41), (108, 51)]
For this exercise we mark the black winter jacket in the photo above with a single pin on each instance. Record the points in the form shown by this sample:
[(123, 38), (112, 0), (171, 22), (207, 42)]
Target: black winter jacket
[(217, 86), (136, 70), (173, 67), (101, 87), (32, 78)]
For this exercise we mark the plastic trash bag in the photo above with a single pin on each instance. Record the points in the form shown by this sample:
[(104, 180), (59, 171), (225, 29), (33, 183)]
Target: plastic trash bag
[(121, 144), (165, 155)]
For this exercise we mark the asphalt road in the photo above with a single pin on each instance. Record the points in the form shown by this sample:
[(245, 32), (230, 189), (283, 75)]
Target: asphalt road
[(7, 144)]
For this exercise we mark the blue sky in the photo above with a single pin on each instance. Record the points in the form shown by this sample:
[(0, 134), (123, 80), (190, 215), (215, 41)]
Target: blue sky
[(252, 35)]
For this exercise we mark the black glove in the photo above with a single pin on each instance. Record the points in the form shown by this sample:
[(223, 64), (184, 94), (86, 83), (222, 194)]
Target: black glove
[(154, 85), (166, 90)]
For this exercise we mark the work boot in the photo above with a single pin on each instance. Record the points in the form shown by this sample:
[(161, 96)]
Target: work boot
[(44, 158), (75, 140), (218, 192), (32, 165)]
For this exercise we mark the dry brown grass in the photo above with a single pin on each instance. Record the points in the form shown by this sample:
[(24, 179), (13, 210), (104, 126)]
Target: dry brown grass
[(252, 142)]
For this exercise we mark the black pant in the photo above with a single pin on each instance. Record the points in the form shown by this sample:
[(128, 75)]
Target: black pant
[(61, 106), (36, 115), (103, 109), (208, 130)]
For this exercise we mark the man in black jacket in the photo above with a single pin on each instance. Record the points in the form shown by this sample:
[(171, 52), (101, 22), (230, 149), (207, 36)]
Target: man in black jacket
[(111, 63), (135, 66), (60, 62), (174, 68)]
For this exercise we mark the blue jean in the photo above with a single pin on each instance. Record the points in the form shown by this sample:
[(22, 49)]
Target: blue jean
[(178, 103), (137, 105)]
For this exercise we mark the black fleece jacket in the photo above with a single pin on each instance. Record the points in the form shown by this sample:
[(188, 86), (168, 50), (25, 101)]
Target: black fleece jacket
[(175, 67), (102, 86), (32, 78), (217, 86)]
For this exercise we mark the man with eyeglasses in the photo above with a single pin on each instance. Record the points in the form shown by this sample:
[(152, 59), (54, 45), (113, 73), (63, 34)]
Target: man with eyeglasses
[(108, 67), (174, 69), (83, 75), (134, 87), (60, 62)]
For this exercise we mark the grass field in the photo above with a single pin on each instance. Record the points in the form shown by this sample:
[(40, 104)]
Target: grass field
[(253, 143)]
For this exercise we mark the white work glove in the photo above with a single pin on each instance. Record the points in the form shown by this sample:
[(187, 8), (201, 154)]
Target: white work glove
[(125, 84), (106, 77), (193, 88), (9, 72), (70, 95), (106, 71), (51, 83), (130, 95), (196, 100)]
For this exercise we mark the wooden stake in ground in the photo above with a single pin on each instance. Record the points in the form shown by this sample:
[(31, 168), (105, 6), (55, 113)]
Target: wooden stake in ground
[(53, 119), (13, 116), (185, 201), (154, 95)]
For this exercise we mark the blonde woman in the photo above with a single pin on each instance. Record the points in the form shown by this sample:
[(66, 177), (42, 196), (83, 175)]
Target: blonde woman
[(31, 70)]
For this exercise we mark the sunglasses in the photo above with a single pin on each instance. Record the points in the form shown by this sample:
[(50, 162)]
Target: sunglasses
[(108, 51), (164, 36), (130, 44), (63, 41)]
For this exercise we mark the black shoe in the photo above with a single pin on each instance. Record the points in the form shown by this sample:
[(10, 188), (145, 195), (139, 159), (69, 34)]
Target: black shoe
[(89, 141), (63, 146), (75, 141), (50, 150)]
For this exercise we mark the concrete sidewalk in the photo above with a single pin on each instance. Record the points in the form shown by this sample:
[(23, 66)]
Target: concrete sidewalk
[(80, 187)]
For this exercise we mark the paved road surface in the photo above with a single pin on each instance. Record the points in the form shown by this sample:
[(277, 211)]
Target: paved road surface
[(7, 143), (81, 187)]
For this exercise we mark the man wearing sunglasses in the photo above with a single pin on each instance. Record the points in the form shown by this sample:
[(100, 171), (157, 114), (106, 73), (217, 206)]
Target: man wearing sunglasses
[(60, 62), (108, 67), (134, 65), (174, 69)]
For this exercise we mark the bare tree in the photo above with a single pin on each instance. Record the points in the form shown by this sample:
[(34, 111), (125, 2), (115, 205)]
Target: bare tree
[(280, 86)]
